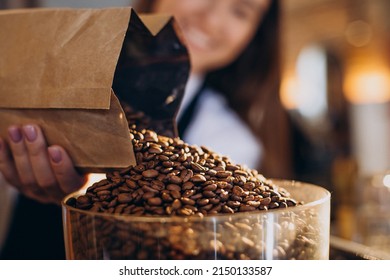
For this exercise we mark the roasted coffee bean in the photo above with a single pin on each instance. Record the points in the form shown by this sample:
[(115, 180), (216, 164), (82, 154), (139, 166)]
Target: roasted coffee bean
[(197, 167), (209, 194), (212, 172), (175, 194), (210, 187), (148, 195), (150, 173), (202, 202), (227, 209), (156, 201), (187, 185), (155, 150), (198, 178), (186, 175), (83, 200), (131, 183), (233, 204), (185, 212), (158, 185), (245, 208), (273, 205), (176, 204), (166, 197), (175, 179), (139, 168), (196, 196), (188, 193), (187, 201), (125, 198), (214, 200), (223, 174), (173, 187), (265, 201), (253, 203)]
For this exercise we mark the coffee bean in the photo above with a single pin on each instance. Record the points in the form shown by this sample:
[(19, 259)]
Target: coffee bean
[(245, 208), (166, 197), (197, 167), (223, 174), (209, 194), (173, 187), (148, 195), (198, 179), (156, 201), (155, 150), (175, 194), (175, 179), (265, 201), (125, 198), (238, 191), (187, 201), (187, 185), (139, 168), (210, 187), (188, 193), (253, 203), (176, 204), (202, 202), (150, 173), (186, 175), (227, 209)]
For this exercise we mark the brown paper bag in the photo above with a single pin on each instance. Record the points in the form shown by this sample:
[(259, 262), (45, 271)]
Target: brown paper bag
[(57, 69)]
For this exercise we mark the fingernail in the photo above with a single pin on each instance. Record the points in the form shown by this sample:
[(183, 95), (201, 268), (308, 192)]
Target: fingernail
[(55, 154), (15, 134), (30, 132)]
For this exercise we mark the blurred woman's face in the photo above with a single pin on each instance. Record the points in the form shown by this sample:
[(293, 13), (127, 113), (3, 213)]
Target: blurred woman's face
[(216, 31)]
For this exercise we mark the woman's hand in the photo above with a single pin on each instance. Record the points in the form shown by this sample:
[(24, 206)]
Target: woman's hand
[(40, 172)]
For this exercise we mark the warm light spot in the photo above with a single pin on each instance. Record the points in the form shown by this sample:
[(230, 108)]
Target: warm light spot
[(363, 85), (289, 92)]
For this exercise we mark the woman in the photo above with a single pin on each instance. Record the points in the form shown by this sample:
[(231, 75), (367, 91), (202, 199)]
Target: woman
[(231, 103)]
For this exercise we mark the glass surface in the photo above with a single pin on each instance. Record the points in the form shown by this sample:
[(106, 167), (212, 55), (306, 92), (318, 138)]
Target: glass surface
[(300, 232), (373, 212)]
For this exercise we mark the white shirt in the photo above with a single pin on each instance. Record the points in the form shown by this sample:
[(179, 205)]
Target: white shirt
[(216, 126)]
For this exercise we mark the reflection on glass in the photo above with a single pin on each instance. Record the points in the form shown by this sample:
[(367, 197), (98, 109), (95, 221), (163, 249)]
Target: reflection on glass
[(373, 216)]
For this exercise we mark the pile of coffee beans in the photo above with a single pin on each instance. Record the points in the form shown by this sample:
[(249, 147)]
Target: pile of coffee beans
[(179, 187), (174, 178)]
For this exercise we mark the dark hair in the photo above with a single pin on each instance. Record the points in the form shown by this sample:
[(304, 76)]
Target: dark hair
[(251, 86)]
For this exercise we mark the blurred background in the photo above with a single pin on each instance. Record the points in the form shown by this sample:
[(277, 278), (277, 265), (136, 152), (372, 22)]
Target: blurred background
[(336, 88)]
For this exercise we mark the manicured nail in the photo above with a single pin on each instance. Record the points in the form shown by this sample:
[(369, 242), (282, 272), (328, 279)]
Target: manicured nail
[(55, 154), (30, 132), (15, 134)]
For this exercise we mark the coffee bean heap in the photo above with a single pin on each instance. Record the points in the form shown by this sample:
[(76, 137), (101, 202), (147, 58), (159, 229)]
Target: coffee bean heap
[(174, 178), (186, 184)]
